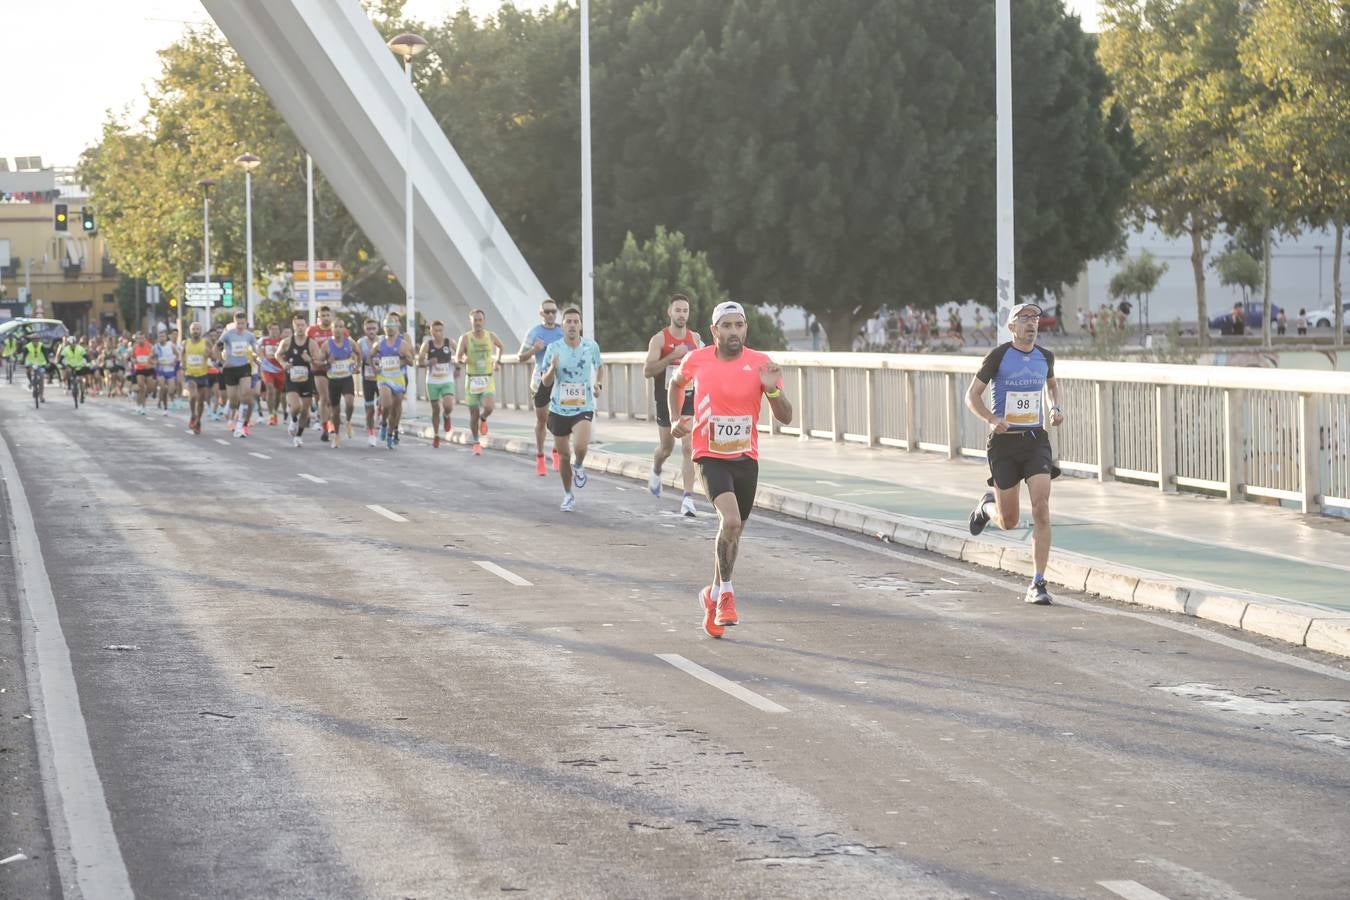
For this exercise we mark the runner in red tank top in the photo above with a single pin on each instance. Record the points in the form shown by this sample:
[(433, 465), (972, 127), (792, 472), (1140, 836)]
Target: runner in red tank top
[(664, 352), (320, 333), (729, 381)]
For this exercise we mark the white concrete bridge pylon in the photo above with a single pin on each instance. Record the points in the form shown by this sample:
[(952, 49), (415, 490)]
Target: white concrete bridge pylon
[(343, 93)]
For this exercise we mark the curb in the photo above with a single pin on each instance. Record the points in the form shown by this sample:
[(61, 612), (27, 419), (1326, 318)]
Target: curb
[(1284, 620)]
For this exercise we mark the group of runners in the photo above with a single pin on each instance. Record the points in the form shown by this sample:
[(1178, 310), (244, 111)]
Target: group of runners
[(708, 398)]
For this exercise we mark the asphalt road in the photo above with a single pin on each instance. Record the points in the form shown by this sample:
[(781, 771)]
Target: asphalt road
[(320, 701)]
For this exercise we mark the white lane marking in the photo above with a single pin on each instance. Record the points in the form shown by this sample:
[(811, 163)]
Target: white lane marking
[(387, 513), (314, 478), (870, 493), (764, 704), (504, 574), (222, 443), (169, 425), (1019, 587), (1131, 890), (259, 455), (830, 483), (95, 860)]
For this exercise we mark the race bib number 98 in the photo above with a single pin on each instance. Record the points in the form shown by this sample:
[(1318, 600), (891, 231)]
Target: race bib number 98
[(1022, 407), (730, 434)]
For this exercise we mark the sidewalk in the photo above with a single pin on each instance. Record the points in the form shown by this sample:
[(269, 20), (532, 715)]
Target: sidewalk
[(1245, 547)]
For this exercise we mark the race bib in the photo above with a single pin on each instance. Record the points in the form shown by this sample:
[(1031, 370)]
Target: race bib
[(1022, 407), (478, 383), (299, 373), (440, 370), (196, 359), (572, 393), (671, 372), (730, 434), (390, 365), (368, 371), (340, 368), (143, 360)]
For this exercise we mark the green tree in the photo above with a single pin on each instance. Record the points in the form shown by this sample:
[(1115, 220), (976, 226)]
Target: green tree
[(1238, 268), (840, 156), (633, 292), (1175, 71), (1301, 49), (1138, 278)]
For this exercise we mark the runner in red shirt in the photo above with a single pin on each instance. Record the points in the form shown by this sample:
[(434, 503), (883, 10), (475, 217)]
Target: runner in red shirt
[(143, 369), (273, 377), (729, 381), (321, 332), (664, 352)]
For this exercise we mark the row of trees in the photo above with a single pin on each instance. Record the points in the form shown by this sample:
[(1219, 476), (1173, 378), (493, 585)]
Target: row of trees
[(1241, 109), (833, 156)]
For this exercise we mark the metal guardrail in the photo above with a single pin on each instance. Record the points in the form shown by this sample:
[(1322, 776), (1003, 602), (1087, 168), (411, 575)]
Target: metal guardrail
[(1237, 432)]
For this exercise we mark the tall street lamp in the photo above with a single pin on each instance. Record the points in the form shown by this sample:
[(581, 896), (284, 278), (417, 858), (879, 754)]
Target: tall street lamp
[(1319, 273), (407, 46), (248, 162), (1006, 286), (206, 184), (587, 242)]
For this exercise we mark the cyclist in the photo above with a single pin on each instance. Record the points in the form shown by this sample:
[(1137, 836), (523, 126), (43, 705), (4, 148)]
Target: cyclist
[(35, 361)]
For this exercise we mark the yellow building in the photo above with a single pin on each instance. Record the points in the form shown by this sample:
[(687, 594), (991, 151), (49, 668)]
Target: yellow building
[(67, 274)]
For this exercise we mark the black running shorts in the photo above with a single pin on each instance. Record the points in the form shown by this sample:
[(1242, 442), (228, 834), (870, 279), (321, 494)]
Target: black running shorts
[(1020, 454), (663, 408), (234, 374), (337, 387), (561, 426), (739, 476), (542, 395)]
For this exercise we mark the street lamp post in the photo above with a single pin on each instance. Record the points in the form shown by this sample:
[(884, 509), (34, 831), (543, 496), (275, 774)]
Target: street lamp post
[(1005, 276), (407, 46), (206, 184), (248, 162), (1319, 274), (587, 242)]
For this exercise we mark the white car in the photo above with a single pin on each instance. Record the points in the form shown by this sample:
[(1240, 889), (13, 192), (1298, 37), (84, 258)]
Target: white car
[(1321, 318)]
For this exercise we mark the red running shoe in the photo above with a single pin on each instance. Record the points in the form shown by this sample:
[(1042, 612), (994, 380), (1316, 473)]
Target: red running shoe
[(710, 626), (539, 468), (477, 449), (436, 441), (482, 427), (726, 610), (555, 460)]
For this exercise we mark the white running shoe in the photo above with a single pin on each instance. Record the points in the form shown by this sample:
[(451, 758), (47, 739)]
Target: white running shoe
[(579, 477), (654, 482), (296, 442), (687, 507), (370, 439), (569, 503), (165, 411), (290, 428)]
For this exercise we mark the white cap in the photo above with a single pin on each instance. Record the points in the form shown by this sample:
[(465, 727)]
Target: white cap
[(730, 307), (1013, 313)]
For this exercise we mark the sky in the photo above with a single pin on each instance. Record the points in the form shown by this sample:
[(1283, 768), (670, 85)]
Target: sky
[(107, 58)]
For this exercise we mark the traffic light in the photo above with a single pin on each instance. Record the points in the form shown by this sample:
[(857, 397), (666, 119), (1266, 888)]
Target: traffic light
[(173, 303), (87, 219), (62, 224)]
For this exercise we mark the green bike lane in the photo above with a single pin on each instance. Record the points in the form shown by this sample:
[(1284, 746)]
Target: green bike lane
[(1235, 548)]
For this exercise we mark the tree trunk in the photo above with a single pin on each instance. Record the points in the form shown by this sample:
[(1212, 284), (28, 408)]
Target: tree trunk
[(1265, 290), (841, 327), (1337, 325), (1198, 268)]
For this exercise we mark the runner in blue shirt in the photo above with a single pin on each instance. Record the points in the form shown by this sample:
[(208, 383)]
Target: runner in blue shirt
[(536, 342), (1022, 372), (570, 367)]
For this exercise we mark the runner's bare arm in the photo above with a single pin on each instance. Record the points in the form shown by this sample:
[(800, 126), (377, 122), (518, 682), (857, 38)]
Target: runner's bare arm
[(501, 348), (771, 380), (654, 364), (462, 350), (551, 372), (1056, 414), (423, 351), (975, 403)]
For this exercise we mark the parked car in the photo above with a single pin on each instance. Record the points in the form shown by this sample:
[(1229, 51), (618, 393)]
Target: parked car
[(1251, 316), (47, 330), (1049, 319), (1321, 318)]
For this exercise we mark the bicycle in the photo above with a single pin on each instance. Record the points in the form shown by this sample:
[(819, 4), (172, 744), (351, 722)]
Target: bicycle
[(77, 390), (35, 385)]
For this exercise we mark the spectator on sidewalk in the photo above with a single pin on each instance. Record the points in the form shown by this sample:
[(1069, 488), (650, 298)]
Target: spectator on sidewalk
[(1281, 326), (1301, 323)]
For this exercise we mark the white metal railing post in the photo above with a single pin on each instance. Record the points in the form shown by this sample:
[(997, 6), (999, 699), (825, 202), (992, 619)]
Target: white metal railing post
[(1104, 408), (628, 382), (805, 399), (836, 406), (911, 410), (1232, 444), (873, 410), (1309, 453), (613, 389), (953, 417), (1166, 437)]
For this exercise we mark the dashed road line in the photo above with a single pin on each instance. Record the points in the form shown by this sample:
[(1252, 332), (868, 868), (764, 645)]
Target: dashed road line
[(259, 455), (709, 677), (314, 478), (387, 513), (504, 574), (222, 443), (1131, 890)]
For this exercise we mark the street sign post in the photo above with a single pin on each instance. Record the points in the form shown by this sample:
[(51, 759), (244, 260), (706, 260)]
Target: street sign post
[(219, 291), (325, 282)]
